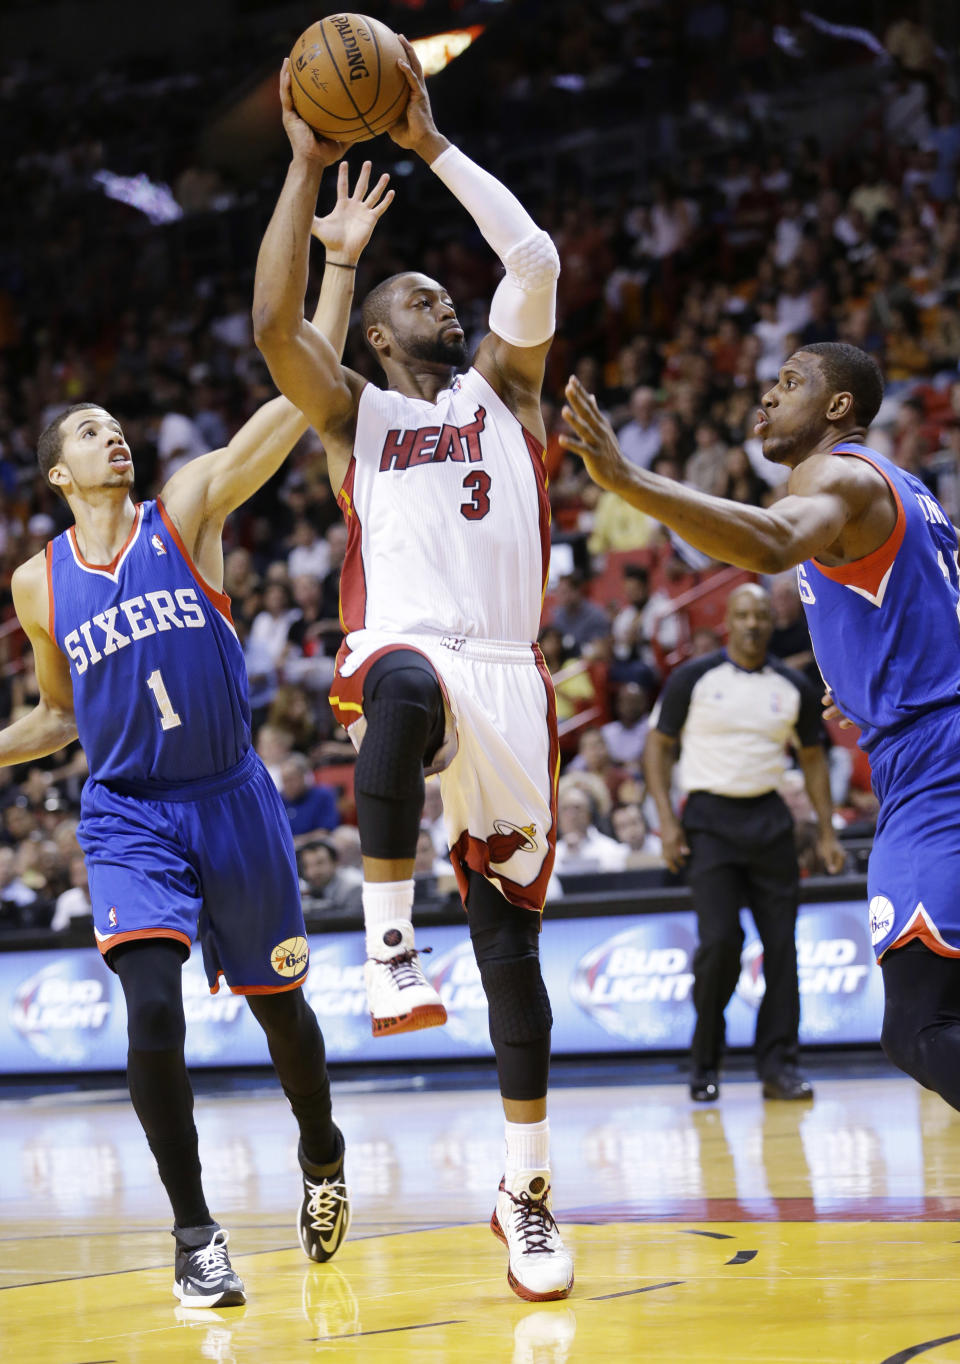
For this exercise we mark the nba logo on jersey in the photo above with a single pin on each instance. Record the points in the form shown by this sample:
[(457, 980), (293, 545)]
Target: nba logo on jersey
[(112, 916), (158, 544)]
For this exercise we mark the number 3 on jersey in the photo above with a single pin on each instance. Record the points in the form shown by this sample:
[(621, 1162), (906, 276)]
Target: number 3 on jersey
[(169, 719), (477, 485)]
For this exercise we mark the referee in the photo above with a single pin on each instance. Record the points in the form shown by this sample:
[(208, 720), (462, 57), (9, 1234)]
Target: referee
[(731, 715)]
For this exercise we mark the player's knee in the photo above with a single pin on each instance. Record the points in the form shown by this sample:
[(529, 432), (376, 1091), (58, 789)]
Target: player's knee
[(285, 1017), (150, 975), (517, 1000), (155, 1021), (404, 726)]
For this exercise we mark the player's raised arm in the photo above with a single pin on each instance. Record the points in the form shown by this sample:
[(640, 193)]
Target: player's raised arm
[(202, 493), (826, 495), (50, 725), (304, 366), (523, 310)]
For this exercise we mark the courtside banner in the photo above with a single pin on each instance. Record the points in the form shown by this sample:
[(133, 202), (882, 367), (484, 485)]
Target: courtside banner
[(617, 983)]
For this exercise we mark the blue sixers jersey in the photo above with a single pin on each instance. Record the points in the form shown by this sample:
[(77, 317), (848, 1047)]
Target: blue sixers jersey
[(885, 629), (159, 681)]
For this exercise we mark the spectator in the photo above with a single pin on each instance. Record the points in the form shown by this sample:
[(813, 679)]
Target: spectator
[(630, 828), (626, 736), (327, 887), (593, 756), (640, 436), (580, 621), (15, 894), (790, 638), (581, 846), (73, 903), (309, 807)]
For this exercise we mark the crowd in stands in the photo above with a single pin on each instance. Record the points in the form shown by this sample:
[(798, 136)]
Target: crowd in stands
[(680, 296)]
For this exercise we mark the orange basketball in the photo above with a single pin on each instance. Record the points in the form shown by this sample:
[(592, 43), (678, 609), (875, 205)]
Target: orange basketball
[(345, 80)]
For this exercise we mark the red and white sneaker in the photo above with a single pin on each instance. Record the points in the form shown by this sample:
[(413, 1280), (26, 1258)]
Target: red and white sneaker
[(540, 1267), (399, 996)]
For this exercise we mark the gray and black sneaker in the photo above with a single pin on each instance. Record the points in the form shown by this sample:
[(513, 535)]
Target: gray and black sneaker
[(202, 1273), (325, 1209)]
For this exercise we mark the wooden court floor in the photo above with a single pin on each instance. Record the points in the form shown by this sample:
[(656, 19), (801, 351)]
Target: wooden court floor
[(744, 1231)]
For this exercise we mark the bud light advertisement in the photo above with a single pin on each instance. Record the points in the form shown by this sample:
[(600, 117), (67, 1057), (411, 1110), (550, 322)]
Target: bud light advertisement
[(616, 983)]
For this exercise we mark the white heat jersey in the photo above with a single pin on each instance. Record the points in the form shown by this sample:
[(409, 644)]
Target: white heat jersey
[(447, 515)]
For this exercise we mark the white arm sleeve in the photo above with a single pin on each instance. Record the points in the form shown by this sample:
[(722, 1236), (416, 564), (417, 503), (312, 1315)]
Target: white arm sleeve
[(523, 310)]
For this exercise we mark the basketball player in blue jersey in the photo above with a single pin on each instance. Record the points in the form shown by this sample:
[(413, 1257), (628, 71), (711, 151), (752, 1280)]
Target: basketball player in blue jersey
[(440, 477), (876, 560), (184, 832)]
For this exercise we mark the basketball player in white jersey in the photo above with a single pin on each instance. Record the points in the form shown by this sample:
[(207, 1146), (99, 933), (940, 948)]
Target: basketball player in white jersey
[(441, 482)]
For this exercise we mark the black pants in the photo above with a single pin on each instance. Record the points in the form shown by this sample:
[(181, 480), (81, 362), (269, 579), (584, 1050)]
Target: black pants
[(742, 854), (921, 1017)]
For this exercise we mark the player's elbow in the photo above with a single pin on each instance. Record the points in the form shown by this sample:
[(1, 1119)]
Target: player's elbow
[(534, 263), (273, 331)]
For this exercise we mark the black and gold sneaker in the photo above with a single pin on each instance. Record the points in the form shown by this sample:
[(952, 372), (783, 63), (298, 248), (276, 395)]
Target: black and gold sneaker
[(325, 1209)]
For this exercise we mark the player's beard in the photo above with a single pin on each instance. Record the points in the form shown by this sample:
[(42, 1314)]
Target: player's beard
[(438, 351), (785, 449)]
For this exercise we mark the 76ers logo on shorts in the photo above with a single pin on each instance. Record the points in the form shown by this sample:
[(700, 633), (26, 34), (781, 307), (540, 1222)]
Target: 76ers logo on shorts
[(290, 957), (509, 839)]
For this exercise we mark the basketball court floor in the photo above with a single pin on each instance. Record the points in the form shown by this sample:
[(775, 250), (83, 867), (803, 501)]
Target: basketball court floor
[(741, 1231)]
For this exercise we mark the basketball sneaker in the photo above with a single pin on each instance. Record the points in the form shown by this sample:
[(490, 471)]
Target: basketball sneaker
[(325, 1208), (202, 1274), (540, 1266), (399, 996)]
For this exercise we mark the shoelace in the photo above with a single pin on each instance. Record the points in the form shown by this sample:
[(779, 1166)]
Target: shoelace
[(324, 1203), (404, 967), (533, 1220), (211, 1260)]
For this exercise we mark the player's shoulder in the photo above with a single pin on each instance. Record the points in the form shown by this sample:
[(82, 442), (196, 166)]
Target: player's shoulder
[(845, 468), (29, 587)]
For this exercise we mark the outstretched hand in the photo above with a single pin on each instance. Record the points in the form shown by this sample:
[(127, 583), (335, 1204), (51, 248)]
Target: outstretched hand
[(348, 226), (303, 140), (592, 437)]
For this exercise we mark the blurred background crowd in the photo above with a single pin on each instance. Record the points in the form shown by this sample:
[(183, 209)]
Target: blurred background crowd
[(711, 217)]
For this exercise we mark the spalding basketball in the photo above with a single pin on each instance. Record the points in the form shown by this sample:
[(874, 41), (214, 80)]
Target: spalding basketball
[(345, 80)]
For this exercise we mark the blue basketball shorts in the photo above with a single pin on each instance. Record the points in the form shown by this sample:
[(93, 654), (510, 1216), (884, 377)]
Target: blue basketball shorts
[(211, 860), (913, 878)]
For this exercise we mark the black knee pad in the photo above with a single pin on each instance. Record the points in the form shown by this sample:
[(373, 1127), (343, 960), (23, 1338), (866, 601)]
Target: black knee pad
[(403, 708), (517, 999)]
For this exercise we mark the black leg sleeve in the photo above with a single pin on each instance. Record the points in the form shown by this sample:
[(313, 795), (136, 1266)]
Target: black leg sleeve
[(921, 1017), (150, 974), (299, 1058), (507, 948)]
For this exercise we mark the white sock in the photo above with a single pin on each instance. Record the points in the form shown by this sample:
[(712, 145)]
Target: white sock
[(385, 902), (528, 1146)]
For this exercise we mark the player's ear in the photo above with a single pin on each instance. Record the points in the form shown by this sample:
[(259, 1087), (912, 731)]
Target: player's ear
[(377, 337), (841, 405), (58, 475)]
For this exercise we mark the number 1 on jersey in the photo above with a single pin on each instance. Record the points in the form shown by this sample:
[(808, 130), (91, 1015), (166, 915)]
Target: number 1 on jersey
[(169, 719)]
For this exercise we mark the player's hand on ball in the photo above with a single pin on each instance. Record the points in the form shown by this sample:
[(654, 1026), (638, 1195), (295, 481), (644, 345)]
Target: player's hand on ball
[(347, 228), (303, 140), (592, 437), (416, 122)]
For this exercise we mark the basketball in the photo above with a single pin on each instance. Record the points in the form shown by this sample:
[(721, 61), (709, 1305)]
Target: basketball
[(345, 80)]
